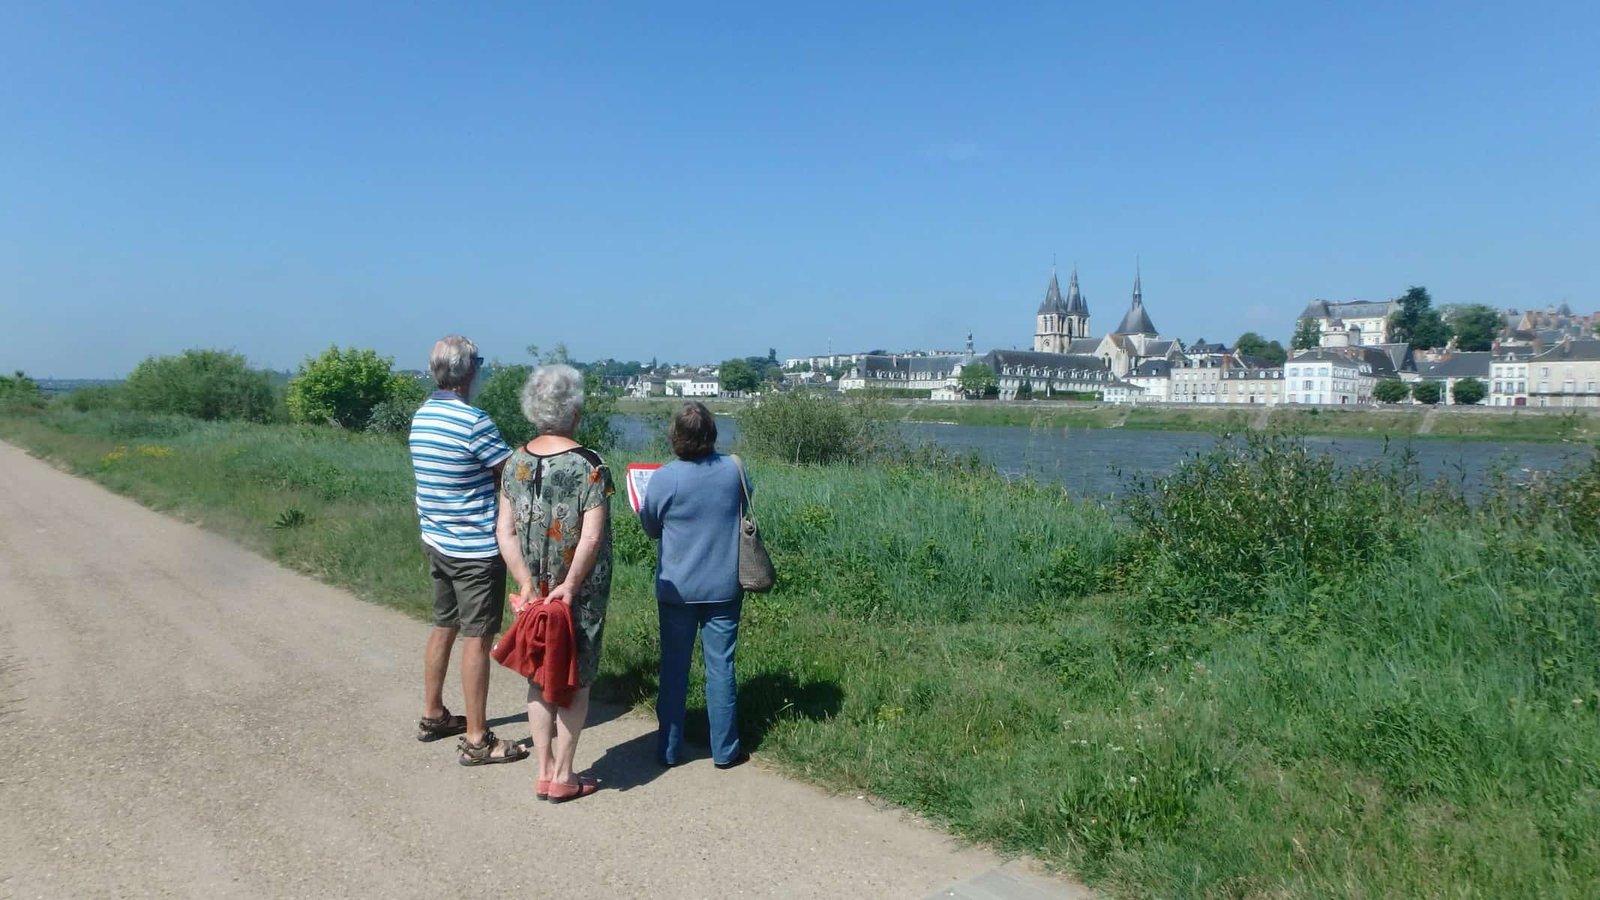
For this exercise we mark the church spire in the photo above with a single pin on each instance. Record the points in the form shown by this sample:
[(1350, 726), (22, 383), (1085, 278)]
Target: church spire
[(1137, 321), (1052, 303), (1075, 304)]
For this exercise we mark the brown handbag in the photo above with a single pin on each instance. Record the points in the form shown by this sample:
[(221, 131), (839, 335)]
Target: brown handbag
[(755, 565)]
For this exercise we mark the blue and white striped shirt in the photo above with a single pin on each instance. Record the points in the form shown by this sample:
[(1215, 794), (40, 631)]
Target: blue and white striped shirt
[(454, 449)]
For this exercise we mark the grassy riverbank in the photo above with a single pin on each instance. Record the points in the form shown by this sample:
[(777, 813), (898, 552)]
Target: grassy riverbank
[(1265, 681), (1540, 426)]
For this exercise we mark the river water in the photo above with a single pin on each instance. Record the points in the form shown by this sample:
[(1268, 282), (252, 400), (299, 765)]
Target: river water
[(1097, 462)]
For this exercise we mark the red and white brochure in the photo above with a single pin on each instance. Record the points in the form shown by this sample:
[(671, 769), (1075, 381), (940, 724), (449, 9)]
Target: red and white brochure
[(639, 476)]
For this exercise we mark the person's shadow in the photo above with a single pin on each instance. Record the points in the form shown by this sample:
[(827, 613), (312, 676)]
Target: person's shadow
[(765, 701)]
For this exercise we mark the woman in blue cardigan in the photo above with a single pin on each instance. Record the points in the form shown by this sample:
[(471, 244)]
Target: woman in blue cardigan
[(692, 505)]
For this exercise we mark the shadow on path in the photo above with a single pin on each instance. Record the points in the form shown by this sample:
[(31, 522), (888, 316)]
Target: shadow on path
[(599, 714)]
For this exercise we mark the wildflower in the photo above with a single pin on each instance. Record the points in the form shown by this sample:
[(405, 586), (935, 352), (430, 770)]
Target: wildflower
[(1133, 779)]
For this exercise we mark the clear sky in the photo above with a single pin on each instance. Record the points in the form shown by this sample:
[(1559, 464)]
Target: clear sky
[(693, 182)]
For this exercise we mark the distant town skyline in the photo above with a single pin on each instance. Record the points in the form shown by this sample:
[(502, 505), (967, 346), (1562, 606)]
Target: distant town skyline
[(636, 181)]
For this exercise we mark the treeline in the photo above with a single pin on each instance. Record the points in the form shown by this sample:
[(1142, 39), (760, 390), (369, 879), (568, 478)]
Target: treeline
[(349, 388)]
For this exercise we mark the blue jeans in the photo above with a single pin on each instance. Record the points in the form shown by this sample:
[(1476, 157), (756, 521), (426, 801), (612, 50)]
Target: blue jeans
[(718, 624)]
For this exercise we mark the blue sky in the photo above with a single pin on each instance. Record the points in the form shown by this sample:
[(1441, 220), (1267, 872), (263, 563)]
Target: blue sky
[(693, 182)]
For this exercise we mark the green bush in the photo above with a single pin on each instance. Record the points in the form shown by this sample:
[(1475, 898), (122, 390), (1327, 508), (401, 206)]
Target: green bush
[(96, 397), (202, 384), (811, 429), (1391, 390), (20, 390), (1230, 527), (1469, 391), (340, 387), (1427, 392), (393, 415)]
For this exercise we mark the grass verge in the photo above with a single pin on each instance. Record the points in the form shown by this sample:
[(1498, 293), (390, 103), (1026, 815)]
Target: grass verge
[(1198, 700)]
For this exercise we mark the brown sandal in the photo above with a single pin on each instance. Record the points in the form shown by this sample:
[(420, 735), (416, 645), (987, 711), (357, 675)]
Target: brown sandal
[(492, 750), (444, 726)]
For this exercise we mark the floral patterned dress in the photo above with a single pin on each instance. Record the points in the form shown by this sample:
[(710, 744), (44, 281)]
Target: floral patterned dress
[(548, 497)]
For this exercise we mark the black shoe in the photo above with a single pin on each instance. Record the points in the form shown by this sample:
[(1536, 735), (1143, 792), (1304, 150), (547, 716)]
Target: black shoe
[(739, 760)]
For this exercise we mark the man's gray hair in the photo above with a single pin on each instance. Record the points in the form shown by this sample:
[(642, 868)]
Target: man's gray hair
[(552, 399), (454, 362)]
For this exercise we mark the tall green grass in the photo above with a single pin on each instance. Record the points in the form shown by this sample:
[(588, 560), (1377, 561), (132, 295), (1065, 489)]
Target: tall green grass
[(1264, 677)]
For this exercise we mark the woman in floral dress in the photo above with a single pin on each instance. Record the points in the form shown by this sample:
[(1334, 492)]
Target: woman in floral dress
[(554, 530)]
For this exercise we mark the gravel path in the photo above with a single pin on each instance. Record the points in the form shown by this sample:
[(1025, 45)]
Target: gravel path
[(181, 717)]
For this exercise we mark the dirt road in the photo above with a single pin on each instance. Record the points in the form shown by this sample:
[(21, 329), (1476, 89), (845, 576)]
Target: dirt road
[(181, 717)]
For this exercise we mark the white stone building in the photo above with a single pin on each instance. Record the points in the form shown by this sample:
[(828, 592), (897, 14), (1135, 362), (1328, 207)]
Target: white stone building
[(1260, 387), (1327, 377), (693, 385), (1566, 375), (1360, 322), (1508, 380)]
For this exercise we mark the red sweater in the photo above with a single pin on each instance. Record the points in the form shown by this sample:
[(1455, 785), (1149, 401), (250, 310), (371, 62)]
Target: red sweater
[(539, 646)]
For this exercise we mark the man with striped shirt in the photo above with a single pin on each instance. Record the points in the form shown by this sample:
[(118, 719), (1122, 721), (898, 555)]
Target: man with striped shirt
[(457, 454)]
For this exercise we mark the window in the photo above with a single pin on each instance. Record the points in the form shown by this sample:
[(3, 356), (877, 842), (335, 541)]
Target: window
[(1310, 385), (1544, 371)]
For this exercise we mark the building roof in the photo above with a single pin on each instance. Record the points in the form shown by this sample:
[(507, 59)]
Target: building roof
[(908, 366), (1137, 321), (1474, 364), (1350, 309), (1349, 355), (1570, 351), (998, 359), (1083, 346), (1154, 368), (1400, 356)]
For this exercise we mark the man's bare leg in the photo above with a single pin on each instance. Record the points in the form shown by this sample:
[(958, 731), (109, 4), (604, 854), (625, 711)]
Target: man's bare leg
[(435, 662), (475, 685)]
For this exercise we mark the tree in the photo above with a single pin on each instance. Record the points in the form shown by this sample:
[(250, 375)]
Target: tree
[(1255, 346), (501, 398), (1426, 392), (1025, 391), (977, 380), (739, 375), (202, 384), (1416, 322), (1307, 334), (1469, 391), (1391, 390), (340, 387), (1475, 326)]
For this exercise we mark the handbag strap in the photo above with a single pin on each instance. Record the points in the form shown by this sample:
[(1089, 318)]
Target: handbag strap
[(744, 485)]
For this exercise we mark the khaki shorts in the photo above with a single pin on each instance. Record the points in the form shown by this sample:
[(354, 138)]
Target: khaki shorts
[(469, 594)]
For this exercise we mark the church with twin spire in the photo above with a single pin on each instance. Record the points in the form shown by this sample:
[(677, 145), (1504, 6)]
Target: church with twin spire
[(1061, 326)]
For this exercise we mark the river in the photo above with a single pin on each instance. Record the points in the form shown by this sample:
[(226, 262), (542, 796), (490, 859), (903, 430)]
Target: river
[(1097, 462)]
